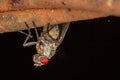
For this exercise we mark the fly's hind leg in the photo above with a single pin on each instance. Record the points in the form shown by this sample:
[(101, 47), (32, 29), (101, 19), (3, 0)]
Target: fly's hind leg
[(29, 36), (36, 32), (29, 32)]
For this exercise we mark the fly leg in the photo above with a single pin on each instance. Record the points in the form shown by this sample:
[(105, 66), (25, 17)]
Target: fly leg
[(29, 32), (36, 32), (29, 36)]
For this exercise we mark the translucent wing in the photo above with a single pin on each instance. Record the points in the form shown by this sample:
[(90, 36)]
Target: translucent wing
[(54, 32), (57, 32)]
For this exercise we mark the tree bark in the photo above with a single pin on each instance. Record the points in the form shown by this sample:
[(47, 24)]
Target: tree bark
[(105, 6), (15, 20), (14, 13)]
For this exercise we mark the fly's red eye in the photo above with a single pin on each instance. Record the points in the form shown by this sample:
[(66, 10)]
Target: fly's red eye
[(44, 60)]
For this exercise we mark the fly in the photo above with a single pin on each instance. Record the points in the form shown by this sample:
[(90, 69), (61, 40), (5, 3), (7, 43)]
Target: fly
[(47, 43)]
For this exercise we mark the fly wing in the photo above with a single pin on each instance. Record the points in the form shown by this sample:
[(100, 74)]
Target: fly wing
[(63, 30), (54, 32), (57, 32)]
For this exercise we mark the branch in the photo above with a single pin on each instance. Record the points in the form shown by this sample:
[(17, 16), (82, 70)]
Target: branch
[(15, 20), (104, 6), (14, 13)]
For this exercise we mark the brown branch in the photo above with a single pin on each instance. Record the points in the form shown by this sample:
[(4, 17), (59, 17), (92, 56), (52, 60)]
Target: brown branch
[(106, 6), (14, 20), (14, 13)]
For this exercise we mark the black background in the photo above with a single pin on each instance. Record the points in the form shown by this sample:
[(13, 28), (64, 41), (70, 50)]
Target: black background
[(90, 50)]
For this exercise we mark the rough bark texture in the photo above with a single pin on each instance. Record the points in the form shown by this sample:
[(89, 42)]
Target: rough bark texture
[(14, 21), (106, 6), (14, 13)]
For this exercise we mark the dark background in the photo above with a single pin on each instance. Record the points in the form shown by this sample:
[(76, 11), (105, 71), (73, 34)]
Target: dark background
[(90, 50)]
